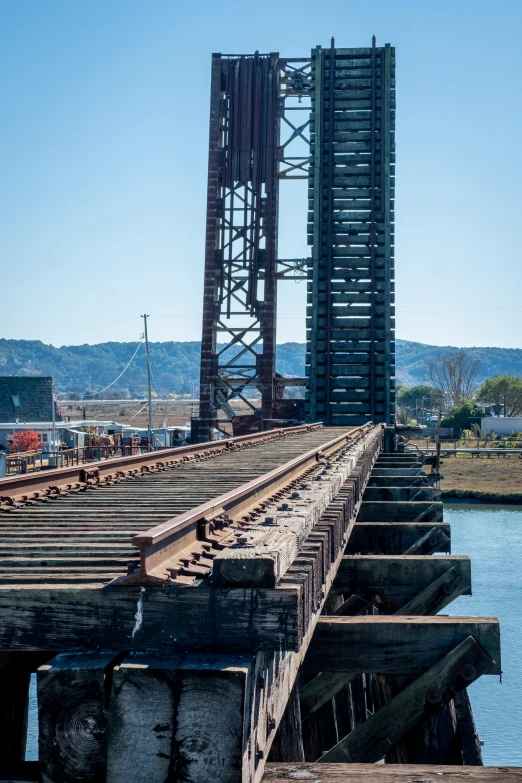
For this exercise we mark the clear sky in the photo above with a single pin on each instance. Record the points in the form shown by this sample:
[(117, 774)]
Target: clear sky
[(103, 156)]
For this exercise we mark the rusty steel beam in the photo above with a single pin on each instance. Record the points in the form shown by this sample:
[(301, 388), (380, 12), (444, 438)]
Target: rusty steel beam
[(21, 488)]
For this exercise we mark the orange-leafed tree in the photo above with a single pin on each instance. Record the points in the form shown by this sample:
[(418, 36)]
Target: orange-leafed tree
[(25, 440)]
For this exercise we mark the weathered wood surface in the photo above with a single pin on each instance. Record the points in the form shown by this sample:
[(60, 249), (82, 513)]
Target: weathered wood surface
[(433, 599), (415, 511), (267, 547), (398, 494), (288, 741), (391, 538), (177, 618), (395, 644), (396, 577), (469, 739), (418, 480), (435, 540), (181, 716), (142, 718), (72, 717), (436, 596), (322, 688), (388, 773), (369, 742)]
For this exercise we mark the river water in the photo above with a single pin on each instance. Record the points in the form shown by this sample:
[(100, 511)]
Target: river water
[(492, 537)]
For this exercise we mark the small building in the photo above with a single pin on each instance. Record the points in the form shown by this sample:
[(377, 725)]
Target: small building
[(502, 425)]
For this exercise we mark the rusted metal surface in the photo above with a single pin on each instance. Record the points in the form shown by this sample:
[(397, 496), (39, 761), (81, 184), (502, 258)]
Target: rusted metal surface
[(241, 245), (25, 488), (251, 145), (83, 537)]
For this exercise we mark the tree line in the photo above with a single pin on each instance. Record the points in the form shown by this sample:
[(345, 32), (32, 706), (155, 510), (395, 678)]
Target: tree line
[(452, 384)]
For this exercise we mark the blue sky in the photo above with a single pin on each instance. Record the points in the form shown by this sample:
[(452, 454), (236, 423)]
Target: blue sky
[(103, 154)]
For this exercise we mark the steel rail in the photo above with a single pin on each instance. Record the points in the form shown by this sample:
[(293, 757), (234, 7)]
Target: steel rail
[(26, 487), (160, 544)]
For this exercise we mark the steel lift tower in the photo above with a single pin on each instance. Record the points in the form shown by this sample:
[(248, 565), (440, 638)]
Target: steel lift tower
[(329, 119)]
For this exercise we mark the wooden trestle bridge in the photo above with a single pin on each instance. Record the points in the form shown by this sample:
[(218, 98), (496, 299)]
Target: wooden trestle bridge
[(262, 608), (265, 608)]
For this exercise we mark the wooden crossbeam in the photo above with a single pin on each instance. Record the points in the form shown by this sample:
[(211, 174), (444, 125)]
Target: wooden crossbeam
[(399, 578), (370, 741), (171, 617), (395, 644), (399, 494), (392, 538), (431, 600), (414, 511), (388, 773)]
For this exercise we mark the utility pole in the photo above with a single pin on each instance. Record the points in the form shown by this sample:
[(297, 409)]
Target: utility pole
[(148, 379), (53, 436)]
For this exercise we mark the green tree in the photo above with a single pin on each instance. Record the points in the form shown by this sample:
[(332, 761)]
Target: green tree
[(460, 418), (502, 390), (407, 396)]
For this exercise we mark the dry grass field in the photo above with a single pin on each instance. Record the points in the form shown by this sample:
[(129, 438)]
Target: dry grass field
[(135, 412), (497, 475)]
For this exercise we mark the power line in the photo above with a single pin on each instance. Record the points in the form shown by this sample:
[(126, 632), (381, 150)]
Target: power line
[(121, 373), (100, 326)]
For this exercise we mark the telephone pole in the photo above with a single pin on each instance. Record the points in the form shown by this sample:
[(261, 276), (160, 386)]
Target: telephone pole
[(148, 378)]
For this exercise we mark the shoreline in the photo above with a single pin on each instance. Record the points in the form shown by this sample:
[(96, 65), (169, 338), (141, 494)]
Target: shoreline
[(474, 496)]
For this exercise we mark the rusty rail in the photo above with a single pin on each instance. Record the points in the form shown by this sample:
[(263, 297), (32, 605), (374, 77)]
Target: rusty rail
[(161, 544), (20, 488)]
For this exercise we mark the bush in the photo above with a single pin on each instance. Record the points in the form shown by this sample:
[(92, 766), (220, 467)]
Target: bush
[(461, 417)]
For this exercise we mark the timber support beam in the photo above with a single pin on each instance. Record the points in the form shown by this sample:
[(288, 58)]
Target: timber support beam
[(396, 644), (437, 686)]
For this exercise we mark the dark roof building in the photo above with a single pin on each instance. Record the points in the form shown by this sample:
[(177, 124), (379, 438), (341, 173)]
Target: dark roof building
[(26, 399)]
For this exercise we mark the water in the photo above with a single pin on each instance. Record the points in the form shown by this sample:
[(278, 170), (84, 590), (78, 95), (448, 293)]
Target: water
[(31, 750), (492, 537)]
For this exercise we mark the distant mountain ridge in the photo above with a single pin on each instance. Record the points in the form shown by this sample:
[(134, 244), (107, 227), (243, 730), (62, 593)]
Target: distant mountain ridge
[(77, 368)]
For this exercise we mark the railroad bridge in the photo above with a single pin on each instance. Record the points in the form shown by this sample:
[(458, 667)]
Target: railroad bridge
[(264, 607)]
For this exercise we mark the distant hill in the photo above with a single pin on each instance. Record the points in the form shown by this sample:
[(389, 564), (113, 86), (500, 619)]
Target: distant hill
[(78, 368), (411, 360)]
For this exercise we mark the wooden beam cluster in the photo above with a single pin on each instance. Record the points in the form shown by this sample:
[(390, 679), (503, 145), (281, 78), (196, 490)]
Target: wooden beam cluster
[(133, 708), (350, 360), (255, 614), (394, 592), (297, 649)]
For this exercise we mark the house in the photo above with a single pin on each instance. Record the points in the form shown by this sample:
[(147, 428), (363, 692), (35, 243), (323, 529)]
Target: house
[(25, 399), (502, 425)]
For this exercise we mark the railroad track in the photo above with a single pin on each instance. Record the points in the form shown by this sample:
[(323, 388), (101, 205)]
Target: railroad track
[(81, 533)]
